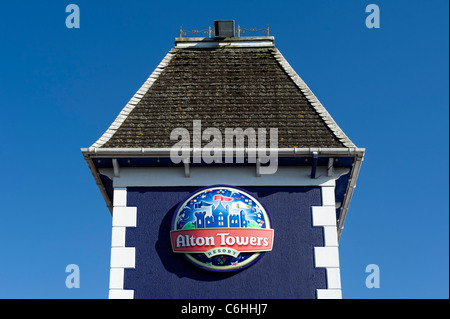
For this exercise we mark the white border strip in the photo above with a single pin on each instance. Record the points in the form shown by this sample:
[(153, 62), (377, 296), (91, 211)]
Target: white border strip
[(134, 101), (121, 257), (328, 256), (320, 109)]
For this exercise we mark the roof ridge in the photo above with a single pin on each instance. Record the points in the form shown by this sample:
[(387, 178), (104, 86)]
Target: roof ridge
[(134, 101), (309, 95)]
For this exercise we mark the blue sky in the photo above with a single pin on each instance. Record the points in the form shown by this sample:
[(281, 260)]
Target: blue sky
[(61, 88)]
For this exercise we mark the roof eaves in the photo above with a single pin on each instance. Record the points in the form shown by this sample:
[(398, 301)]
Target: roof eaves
[(134, 101), (166, 152), (98, 181)]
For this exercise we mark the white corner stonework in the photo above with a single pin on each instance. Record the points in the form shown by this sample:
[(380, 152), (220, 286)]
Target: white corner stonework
[(121, 257), (327, 256), (124, 216), (324, 215), (329, 294), (121, 294)]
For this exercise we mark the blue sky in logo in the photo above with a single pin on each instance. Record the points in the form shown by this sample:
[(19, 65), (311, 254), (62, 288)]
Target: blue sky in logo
[(61, 88), (240, 210)]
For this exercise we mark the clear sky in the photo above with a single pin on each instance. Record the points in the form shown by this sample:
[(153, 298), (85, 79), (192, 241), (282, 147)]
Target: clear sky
[(61, 88)]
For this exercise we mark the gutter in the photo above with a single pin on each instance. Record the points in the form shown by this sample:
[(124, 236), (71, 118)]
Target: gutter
[(98, 181), (349, 193), (165, 152)]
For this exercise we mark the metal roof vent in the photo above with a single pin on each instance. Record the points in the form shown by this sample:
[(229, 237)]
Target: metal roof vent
[(223, 28)]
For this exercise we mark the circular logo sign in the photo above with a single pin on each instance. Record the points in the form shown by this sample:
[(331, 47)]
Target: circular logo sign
[(221, 228)]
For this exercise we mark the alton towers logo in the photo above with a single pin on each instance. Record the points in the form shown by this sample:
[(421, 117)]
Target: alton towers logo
[(221, 228)]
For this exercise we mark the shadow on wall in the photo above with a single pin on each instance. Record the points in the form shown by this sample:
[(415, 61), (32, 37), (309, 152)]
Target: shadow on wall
[(176, 263)]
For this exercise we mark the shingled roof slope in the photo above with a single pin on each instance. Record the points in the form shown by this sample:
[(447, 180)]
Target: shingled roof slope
[(224, 88)]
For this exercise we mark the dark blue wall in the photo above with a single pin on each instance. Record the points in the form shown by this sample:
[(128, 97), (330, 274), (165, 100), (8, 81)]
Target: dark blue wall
[(285, 272)]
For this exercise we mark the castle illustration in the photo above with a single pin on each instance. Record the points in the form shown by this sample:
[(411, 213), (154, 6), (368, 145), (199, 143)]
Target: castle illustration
[(220, 217)]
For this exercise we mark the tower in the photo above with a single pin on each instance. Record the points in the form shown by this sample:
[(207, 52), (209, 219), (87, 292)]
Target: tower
[(243, 219), (200, 219), (220, 215), (242, 91)]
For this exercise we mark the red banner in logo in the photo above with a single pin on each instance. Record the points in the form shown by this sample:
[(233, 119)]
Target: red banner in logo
[(222, 198), (215, 241)]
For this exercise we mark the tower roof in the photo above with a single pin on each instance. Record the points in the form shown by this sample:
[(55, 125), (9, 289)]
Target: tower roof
[(236, 82)]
